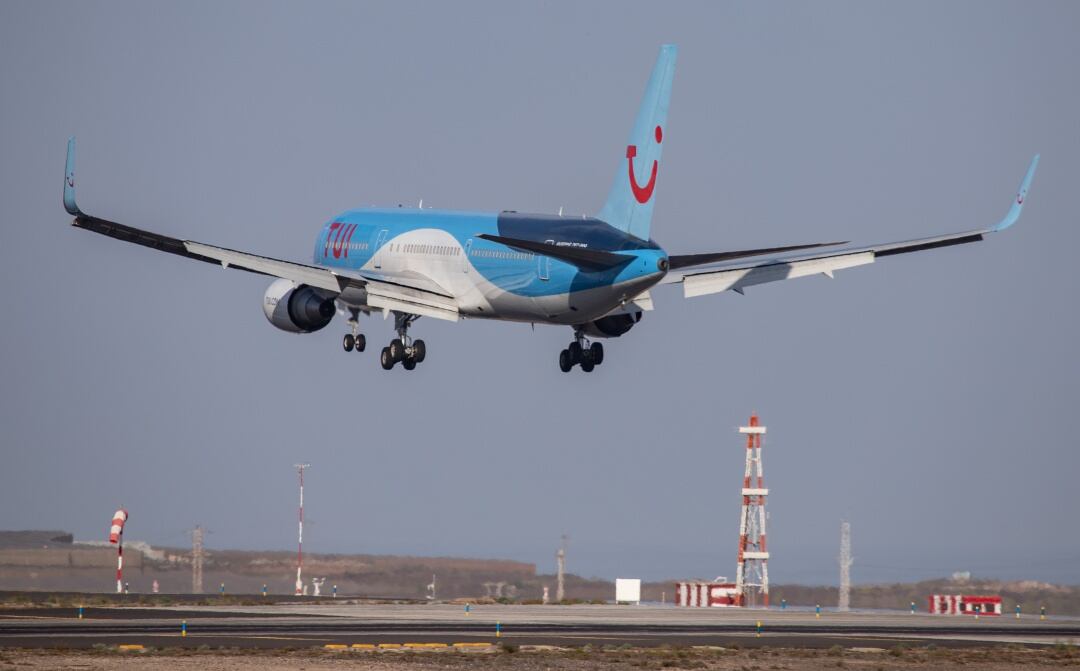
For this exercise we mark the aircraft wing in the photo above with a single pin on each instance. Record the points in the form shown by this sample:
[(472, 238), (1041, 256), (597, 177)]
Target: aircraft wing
[(384, 292), (736, 276), (412, 295)]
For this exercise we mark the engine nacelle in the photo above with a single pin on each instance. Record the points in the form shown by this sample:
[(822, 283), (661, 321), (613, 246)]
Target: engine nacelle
[(300, 309), (611, 326)]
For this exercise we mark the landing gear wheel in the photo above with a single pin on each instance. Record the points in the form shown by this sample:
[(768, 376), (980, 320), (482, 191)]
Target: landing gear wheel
[(360, 342), (587, 365), (397, 350), (597, 352), (566, 361), (575, 352), (386, 359), (419, 351), (347, 342), (409, 363)]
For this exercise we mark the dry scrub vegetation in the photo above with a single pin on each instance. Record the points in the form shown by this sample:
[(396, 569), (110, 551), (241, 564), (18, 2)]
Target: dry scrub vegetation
[(508, 658)]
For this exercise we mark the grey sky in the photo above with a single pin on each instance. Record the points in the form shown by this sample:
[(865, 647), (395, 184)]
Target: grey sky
[(930, 398)]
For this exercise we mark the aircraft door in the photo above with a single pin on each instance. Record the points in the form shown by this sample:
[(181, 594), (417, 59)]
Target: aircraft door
[(543, 264), (379, 243), (465, 256)]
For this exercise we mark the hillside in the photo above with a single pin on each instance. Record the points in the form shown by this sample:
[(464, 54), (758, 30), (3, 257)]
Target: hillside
[(51, 561), (1030, 594), (88, 568)]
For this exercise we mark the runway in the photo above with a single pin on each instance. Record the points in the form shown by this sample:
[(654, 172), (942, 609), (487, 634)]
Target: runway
[(298, 626)]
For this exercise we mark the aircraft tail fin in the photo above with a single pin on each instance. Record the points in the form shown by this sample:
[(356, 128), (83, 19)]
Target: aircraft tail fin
[(630, 202)]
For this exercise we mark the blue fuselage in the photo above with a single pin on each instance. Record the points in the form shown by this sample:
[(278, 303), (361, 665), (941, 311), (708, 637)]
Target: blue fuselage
[(443, 247)]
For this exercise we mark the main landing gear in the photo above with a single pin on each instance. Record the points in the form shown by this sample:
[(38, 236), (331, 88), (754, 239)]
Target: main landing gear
[(581, 352), (354, 340), (403, 348)]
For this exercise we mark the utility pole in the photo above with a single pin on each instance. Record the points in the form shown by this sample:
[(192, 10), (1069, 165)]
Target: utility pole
[(845, 567), (560, 566), (197, 556), (300, 538)]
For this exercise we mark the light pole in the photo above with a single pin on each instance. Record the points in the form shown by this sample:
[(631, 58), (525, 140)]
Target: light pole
[(300, 537)]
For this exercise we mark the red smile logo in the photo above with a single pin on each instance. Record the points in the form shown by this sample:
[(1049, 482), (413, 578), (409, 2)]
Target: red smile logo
[(642, 193)]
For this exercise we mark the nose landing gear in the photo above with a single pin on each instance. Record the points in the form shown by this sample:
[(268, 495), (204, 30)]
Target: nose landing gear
[(403, 348), (580, 352)]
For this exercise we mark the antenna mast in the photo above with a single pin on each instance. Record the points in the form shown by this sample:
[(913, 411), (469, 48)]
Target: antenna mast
[(300, 536), (560, 565), (197, 556)]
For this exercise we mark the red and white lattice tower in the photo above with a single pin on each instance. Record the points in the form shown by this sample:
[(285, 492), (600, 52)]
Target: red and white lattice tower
[(752, 573), (116, 537)]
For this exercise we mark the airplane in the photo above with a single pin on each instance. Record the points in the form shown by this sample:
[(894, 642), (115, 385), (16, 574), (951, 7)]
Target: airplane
[(591, 273)]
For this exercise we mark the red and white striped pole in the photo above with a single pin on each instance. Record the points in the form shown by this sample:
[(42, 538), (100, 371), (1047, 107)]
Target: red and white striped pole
[(300, 537), (116, 536)]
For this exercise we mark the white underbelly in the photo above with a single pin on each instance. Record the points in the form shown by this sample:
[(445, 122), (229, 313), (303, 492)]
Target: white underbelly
[(478, 297)]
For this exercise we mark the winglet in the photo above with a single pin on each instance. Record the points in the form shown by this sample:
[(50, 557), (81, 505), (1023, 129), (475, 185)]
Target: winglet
[(1021, 196), (69, 180)]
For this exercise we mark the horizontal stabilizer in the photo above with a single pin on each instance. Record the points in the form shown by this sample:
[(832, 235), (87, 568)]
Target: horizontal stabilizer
[(690, 260), (586, 259)]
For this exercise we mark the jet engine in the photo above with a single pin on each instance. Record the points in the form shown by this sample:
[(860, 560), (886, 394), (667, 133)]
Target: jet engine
[(301, 309), (611, 326)]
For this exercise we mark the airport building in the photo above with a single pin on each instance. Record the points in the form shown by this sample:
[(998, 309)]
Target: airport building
[(964, 604), (706, 594)]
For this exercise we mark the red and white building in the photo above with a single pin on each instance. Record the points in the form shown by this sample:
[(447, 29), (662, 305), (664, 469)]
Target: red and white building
[(705, 594), (964, 604)]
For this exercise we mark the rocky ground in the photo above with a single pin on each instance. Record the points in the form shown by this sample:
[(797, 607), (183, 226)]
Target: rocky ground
[(755, 659)]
